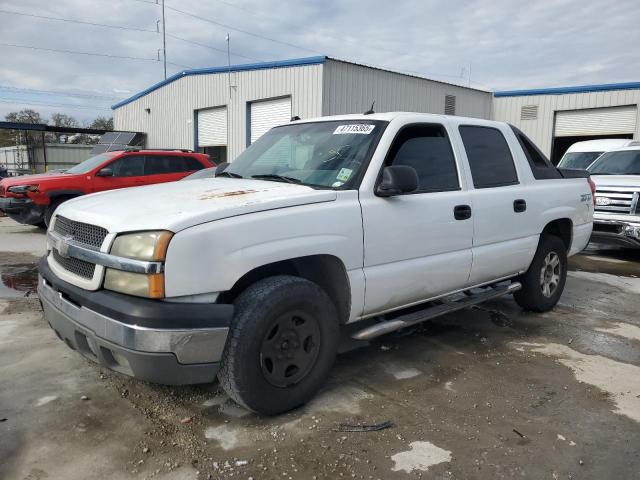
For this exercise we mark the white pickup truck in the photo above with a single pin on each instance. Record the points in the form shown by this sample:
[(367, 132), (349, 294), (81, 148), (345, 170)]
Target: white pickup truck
[(361, 223)]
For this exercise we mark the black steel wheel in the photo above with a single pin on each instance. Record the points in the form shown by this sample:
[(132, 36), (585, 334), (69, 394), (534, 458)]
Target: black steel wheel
[(281, 345)]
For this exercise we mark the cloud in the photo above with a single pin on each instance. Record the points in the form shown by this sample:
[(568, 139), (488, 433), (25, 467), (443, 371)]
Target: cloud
[(506, 44)]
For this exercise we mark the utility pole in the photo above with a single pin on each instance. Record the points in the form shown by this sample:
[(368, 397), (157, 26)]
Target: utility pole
[(228, 39), (164, 42)]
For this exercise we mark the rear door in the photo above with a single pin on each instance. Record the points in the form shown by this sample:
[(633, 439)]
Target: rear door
[(501, 214), (168, 168), (418, 245)]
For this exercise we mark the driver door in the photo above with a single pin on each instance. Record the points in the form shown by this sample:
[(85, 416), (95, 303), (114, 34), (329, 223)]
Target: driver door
[(417, 245), (128, 171)]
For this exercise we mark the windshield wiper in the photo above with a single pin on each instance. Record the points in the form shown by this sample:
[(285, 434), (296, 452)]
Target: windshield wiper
[(229, 174), (273, 176)]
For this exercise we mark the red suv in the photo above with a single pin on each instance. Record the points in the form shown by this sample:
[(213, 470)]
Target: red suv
[(32, 199)]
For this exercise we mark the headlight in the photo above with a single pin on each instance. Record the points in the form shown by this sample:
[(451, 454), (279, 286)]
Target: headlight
[(149, 246), (138, 284), (22, 188), (146, 246)]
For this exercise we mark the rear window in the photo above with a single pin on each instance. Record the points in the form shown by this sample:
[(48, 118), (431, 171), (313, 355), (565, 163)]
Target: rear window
[(489, 157)]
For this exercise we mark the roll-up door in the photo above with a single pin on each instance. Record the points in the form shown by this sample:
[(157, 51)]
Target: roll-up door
[(212, 127), (264, 115), (596, 121)]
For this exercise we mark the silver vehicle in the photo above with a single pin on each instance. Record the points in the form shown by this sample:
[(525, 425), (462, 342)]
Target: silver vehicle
[(617, 213)]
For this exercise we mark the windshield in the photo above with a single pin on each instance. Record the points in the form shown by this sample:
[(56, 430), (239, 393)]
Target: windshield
[(625, 162), (579, 160), (89, 164), (322, 154)]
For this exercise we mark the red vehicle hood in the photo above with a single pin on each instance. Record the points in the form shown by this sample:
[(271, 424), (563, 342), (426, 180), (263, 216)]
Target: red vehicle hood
[(37, 178)]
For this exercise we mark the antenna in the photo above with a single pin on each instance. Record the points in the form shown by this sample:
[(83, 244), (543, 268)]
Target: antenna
[(228, 40), (370, 111)]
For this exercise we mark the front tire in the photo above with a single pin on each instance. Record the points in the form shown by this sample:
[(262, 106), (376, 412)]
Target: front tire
[(543, 283), (50, 210), (281, 346)]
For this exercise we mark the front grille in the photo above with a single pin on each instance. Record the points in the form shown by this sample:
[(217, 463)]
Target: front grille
[(89, 235), (77, 267), (617, 200)]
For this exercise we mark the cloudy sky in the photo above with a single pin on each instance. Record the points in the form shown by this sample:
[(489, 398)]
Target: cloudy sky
[(504, 44)]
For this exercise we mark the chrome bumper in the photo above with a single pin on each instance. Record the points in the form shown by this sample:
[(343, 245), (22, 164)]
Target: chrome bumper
[(168, 356), (616, 231)]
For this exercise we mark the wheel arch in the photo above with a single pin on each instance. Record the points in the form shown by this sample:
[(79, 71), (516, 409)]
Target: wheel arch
[(327, 271), (561, 228)]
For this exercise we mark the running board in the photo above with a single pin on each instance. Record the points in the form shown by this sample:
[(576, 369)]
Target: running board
[(428, 313)]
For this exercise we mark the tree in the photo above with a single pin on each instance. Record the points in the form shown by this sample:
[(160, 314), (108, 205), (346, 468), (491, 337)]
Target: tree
[(61, 120), (16, 137), (102, 123), (25, 116)]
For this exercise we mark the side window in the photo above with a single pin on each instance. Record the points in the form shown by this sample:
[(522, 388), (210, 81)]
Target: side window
[(163, 164), (427, 149), (489, 157), (128, 166), (192, 164), (541, 167)]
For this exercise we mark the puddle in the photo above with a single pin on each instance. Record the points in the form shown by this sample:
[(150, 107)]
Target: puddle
[(18, 281)]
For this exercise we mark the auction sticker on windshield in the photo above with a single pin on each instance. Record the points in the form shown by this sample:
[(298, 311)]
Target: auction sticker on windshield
[(361, 128)]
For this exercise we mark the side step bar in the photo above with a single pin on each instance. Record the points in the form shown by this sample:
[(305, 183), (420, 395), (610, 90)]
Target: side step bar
[(428, 313)]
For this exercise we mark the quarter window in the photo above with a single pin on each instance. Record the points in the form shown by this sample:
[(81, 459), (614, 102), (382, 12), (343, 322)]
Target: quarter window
[(427, 149), (489, 157)]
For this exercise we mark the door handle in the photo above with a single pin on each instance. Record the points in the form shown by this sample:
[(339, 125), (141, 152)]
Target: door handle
[(462, 212), (519, 205)]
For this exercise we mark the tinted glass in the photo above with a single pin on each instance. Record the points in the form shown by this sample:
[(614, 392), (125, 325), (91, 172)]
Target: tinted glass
[(489, 157), (129, 166), (204, 173), (192, 164), (321, 154), (89, 164), (427, 149), (579, 160), (617, 163), (163, 164)]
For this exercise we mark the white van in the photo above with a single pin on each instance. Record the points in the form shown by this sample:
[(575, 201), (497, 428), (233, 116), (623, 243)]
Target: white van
[(582, 154)]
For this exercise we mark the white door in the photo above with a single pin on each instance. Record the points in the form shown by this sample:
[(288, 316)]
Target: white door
[(596, 121), (212, 127), (415, 247), (266, 114), (502, 241)]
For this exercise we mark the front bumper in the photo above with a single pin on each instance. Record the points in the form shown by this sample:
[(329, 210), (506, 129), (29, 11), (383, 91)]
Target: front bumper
[(22, 210), (616, 232), (167, 343)]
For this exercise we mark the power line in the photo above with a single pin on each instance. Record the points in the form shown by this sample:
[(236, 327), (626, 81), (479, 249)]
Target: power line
[(46, 104), (58, 92), (210, 47), (81, 22), (75, 52)]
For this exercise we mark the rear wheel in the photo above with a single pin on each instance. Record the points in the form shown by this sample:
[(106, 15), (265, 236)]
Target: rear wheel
[(543, 282), (282, 344)]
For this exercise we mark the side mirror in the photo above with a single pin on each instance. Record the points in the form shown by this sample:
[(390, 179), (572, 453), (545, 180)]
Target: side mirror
[(105, 172), (396, 180), (221, 168)]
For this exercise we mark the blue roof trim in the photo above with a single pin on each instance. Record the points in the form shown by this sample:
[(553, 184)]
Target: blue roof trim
[(562, 90), (295, 62)]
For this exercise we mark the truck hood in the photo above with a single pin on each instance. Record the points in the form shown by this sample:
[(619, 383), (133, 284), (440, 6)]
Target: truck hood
[(179, 205), (616, 181)]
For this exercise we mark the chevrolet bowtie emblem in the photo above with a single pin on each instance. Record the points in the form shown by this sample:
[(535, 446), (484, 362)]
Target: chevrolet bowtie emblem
[(63, 246)]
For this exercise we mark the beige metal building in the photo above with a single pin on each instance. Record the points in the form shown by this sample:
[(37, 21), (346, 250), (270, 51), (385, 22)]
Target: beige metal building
[(222, 110), (555, 118)]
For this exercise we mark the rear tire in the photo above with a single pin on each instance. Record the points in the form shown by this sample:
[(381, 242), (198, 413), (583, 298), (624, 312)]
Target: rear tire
[(543, 282), (281, 346)]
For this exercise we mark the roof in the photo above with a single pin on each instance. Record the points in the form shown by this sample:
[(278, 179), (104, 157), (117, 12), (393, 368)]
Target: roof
[(603, 144), (603, 87), (295, 62), (43, 127)]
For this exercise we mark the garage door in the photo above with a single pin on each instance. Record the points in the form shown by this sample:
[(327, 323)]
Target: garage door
[(267, 114), (596, 121), (212, 127)]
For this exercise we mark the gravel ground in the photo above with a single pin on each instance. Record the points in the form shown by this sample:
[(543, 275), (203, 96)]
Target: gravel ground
[(490, 392)]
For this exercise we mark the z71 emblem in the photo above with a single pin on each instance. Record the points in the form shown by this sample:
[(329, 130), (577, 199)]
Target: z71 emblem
[(585, 198)]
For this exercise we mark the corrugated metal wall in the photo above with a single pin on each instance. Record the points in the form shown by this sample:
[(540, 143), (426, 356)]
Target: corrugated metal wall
[(350, 88), (60, 155), (540, 130), (170, 123)]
